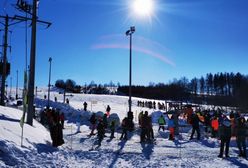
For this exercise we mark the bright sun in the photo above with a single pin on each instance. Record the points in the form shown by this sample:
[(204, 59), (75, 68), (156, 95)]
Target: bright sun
[(143, 7)]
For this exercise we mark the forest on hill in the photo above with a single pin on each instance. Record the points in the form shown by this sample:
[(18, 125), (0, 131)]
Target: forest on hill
[(220, 89)]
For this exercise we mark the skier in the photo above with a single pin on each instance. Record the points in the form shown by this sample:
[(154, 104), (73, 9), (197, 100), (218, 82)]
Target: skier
[(161, 122), (62, 119), (108, 110), (130, 121), (225, 136), (140, 117), (171, 128), (195, 126), (150, 134), (85, 106), (207, 121), (56, 129), (112, 129), (144, 127), (105, 121), (241, 136), (43, 117), (124, 126), (93, 121), (175, 118), (100, 131)]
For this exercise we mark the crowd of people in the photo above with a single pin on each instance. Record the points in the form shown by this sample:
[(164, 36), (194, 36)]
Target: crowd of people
[(222, 126), (215, 123), (53, 119), (151, 105)]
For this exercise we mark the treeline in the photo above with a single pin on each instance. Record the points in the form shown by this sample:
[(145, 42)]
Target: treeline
[(227, 89), (222, 84), (68, 85), (92, 88)]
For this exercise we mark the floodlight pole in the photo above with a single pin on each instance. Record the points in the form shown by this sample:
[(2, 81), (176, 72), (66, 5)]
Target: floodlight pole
[(129, 33), (49, 84), (16, 84)]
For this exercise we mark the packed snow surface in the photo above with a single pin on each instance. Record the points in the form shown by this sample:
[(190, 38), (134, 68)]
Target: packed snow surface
[(79, 149)]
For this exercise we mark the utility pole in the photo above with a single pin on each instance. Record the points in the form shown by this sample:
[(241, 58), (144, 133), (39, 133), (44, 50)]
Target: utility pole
[(5, 46), (32, 66), (10, 88), (22, 5), (16, 84), (10, 21)]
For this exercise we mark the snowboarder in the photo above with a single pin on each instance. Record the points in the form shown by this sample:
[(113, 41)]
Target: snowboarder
[(93, 121), (241, 137), (108, 110), (85, 106), (161, 122), (225, 136)]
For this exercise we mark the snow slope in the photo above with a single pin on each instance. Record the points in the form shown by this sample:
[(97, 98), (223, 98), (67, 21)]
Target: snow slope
[(79, 149)]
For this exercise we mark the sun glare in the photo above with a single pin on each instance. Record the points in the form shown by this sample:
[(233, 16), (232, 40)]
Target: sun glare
[(143, 7)]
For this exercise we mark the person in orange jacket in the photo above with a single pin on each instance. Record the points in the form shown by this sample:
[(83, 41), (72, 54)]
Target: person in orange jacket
[(215, 126)]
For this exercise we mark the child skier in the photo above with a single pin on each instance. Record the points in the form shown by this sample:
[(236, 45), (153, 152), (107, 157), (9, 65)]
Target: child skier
[(161, 122)]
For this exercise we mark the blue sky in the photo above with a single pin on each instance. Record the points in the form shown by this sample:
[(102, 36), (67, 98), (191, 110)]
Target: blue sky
[(87, 40)]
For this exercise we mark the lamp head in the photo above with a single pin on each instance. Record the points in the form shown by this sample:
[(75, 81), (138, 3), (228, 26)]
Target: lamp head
[(130, 31), (132, 28)]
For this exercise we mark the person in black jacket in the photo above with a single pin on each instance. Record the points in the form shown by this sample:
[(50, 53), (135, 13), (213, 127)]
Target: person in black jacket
[(124, 126), (100, 131), (85, 106), (195, 126), (225, 136), (93, 121), (241, 136), (144, 135)]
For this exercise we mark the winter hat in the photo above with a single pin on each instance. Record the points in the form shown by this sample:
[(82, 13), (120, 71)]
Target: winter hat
[(226, 123)]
